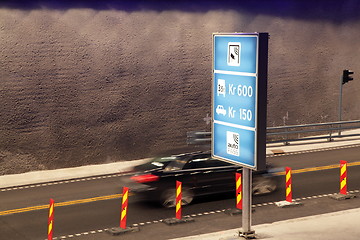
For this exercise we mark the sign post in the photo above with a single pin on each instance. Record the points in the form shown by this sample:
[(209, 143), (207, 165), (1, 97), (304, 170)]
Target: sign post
[(246, 212), (239, 100)]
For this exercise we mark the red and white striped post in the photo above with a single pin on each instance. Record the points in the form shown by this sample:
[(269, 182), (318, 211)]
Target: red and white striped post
[(288, 185), (288, 191), (178, 199), (124, 207), (343, 194), (343, 177), (238, 191), (51, 219)]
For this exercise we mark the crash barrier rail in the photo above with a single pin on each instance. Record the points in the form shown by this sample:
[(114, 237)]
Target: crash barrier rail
[(292, 133), (178, 198)]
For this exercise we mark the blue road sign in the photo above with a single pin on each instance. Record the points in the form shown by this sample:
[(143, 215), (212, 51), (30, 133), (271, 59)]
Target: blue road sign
[(235, 99), (239, 70), (237, 53)]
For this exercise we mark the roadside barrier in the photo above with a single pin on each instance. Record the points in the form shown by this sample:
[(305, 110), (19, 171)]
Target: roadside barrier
[(343, 194), (178, 215), (343, 177), (51, 219), (238, 191), (288, 191), (178, 199), (238, 197), (124, 207), (288, 185)]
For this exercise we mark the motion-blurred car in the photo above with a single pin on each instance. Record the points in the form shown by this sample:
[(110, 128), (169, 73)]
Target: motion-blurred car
[(199, 173)]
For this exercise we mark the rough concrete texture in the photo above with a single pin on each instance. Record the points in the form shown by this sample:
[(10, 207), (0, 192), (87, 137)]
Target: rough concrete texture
[(90, 82)]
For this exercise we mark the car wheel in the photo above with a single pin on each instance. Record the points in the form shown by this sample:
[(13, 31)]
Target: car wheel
[(168, 198), (263, 185)]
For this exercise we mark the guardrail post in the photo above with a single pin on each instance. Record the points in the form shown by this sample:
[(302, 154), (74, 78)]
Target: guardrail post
[(287, 137), (330, 132)]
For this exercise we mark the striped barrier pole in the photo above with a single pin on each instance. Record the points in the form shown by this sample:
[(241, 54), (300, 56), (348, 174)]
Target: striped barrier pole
[(178, 205), (343, 177), (288, 191), (178, 199), (288, 185), (51, 219), (343, 194), (238, 191), (124, 207)]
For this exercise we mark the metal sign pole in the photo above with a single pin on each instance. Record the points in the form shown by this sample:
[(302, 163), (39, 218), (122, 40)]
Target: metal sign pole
[(246, 211), (340, 103)]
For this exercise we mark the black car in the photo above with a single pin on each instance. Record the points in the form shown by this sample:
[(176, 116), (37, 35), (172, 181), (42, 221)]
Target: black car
[(199, 173)]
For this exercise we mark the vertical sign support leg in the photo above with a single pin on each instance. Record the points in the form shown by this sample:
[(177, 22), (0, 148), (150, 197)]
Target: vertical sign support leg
[(246, 232)]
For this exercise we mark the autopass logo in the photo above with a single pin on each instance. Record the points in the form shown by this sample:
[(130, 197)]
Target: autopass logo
[(232, 143)]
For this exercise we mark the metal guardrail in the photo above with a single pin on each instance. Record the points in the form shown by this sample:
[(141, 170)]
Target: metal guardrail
[(291, 133)]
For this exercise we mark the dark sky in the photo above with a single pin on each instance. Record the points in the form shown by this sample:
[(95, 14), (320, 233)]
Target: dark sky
[(329, 9)]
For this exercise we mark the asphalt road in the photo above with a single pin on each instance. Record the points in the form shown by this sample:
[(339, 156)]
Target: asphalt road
[(93, 214)]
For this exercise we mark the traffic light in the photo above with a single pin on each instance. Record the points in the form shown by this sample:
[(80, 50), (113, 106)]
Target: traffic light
[(347, 76)]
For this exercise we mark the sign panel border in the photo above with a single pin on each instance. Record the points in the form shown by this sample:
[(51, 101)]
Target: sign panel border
[(260, 74)]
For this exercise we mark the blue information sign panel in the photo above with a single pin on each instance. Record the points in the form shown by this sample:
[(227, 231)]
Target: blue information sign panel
[(239, 98)]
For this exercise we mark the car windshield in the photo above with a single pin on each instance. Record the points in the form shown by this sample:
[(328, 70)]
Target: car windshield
[(155, 163), (176, 164)]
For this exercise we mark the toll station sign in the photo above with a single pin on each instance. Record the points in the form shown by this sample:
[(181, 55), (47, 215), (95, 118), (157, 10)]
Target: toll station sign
[(239, 98)]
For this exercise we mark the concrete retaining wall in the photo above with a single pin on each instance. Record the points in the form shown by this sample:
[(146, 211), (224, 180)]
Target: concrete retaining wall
[(87, 82)]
